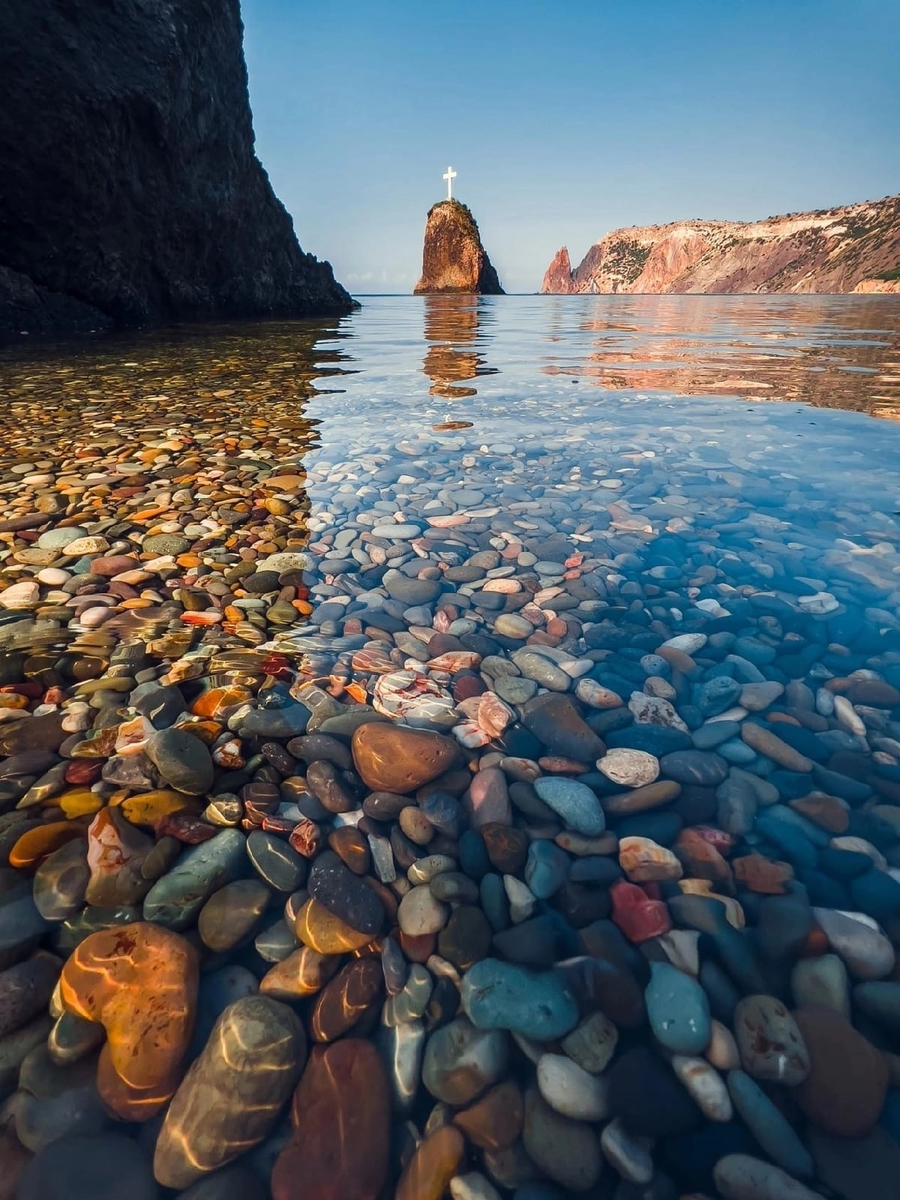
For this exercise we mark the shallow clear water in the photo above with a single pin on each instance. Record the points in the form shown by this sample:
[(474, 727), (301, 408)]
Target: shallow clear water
[(571, 489)]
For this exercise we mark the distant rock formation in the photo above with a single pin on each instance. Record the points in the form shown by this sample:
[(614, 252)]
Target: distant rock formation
[(832, 250), (130, 190), (558, 276), (453, 258)]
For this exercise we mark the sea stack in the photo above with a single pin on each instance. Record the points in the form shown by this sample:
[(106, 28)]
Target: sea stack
[(131, 191), (453, 258)]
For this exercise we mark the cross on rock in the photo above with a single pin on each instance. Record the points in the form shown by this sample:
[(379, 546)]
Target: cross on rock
[(449, 176)]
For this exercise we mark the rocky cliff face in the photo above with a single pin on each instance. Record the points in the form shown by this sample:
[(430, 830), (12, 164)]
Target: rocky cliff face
[(847, 249), (453, 259), (130, 189)]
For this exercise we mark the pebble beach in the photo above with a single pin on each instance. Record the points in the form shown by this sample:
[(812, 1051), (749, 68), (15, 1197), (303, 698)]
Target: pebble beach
[(425, 772)]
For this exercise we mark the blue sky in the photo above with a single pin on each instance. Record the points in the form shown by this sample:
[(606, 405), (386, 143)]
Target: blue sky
[(564, 118)]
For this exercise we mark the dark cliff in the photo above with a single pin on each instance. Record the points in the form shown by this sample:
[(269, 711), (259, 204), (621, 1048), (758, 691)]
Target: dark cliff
[(453, 258), (130, 190)]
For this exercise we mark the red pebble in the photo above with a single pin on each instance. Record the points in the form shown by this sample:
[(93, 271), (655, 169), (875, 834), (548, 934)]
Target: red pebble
[(184, 828), (639, 917), (465, 686), (54, 695), (83, 770), (717, 838), (31, 690), (306, 838)]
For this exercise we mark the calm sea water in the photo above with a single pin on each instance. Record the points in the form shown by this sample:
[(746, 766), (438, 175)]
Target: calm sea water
[(705, 407)]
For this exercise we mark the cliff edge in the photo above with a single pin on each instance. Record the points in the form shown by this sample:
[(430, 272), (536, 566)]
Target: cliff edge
[(453, 258), (131, 191), (853, 248)]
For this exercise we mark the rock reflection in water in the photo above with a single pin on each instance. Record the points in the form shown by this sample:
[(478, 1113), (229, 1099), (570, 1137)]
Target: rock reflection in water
[(827, 351), (455, 329)]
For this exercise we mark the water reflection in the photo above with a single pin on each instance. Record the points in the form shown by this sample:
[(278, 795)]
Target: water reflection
[(455, 329), (826, 351)]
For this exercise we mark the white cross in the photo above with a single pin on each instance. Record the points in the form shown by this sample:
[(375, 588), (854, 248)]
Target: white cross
[(450, 176)]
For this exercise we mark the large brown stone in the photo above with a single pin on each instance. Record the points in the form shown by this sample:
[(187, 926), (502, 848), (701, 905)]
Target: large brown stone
[(233, 1093), (341, 1115), (140, 982), (302, 973), (395, 758), (845, 1088)]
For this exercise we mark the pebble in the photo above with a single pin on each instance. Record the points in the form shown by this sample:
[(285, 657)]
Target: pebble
[(508, 763)]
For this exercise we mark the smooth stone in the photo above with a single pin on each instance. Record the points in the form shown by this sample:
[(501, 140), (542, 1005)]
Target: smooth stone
[(574, 802), (102, 1166), (231, 914), (461, 1062), (355, 992), (566, 1151), (770, 1043), (140, 982), (276, 863), (678, 1010), (629, 1155), (765, 1121), (232, 1094), (326, 933), (401, 1048), (472, 1186), (546, 869), (410, 1003), (699, 767), (741, 1177), (555, 721), (570, 1090), (395, 758), (705, 1085), (61, 881), (182, 760), (880, 1001), (821, 981), (488, 798), (345, 895), (493, 1122), (341, 1127), (466, 938), (434, 1163), (287, 722), (844, 1090), (592, 1043), (865, 951), (25, 990), (630, 768), (175, 900), (498, 995), (421, 913)]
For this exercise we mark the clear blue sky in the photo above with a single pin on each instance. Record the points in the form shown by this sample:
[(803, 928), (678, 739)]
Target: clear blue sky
[(564, 118)]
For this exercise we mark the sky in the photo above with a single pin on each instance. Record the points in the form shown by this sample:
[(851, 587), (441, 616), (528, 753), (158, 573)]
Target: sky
[(563, 118)]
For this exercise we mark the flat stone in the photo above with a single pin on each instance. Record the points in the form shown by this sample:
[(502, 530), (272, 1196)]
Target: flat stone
[(556, 722), (498, 995), (678, 1010), (341, 1127), (183, 760), (565, 1151), (592, 1043), (494, 1121), (232, 1094), (574, 802), (769, 1041), (741, 1177), (356, 990), (570, 1090), (232, 913), (461, 1062), (435, 1162), (175, 900), (345, 895)]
